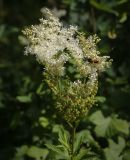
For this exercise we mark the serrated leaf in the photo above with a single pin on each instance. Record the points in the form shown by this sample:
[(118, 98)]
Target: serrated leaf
[(97, 117), (63, 156), (114, 150), (83, 137), (103, 129), (54, 148), (121, 125), (86, 154), (60, 153), (64, 138), (108, 126), (81, 154)]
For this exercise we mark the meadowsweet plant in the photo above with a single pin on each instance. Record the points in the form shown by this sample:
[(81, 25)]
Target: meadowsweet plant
[(60, 49)]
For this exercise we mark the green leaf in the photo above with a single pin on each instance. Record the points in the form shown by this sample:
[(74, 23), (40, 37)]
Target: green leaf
[(56, 128), (54, 148), (37, 153), (103, 129), (24, 99), (83, 137), (71, 69), (63, 156), (86, 154), (40, 90), (64, 138), (59, 151), (120, 81), (121, 125), (123, 17), (62, 150), (20, 152), (100, 99), (120, 2), (104, 7), (97, 117), (108, 126), (22, 40), (63, 135), (81, 154), (114, 150), (43, 121)]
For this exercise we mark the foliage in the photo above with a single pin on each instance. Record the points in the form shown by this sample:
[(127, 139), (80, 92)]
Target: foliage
[(28, 120)]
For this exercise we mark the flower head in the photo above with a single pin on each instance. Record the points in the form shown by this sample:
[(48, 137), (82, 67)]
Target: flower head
[(54, 45), (50, 41)]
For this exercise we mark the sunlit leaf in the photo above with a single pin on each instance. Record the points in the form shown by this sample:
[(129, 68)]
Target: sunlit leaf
[(24, 99), (114, 150), (123, 17), (37, 153), (43, 121), (108, 126), (121, 125)]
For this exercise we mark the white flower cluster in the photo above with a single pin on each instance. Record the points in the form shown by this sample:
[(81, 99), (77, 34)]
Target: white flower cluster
[(50, 41), (54, 44)]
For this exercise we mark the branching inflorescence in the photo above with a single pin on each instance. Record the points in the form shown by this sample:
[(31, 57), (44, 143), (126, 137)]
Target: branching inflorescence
[(56, 47)]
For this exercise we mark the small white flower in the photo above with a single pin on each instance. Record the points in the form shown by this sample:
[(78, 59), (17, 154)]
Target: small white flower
[(50, 42)]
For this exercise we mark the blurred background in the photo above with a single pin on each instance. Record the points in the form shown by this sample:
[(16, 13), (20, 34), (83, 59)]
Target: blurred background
[(27, 117)]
